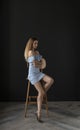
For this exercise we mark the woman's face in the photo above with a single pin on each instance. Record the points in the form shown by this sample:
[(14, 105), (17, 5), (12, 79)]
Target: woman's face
[(35, 44)]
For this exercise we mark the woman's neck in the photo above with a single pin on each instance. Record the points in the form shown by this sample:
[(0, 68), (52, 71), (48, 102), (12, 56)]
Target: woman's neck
[(34, 50)]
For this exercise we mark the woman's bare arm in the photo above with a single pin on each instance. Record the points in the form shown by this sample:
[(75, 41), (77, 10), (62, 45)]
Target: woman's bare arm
[(37, 63)]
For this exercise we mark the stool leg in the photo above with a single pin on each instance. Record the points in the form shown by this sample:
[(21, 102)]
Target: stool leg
[(26, 104)]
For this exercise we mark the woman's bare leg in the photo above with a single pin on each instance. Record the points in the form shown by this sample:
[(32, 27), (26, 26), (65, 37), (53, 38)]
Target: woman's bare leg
[(48, 82), (41, 93)]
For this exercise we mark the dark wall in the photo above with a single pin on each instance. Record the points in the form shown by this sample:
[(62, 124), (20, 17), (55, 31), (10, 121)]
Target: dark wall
[(56, 24)]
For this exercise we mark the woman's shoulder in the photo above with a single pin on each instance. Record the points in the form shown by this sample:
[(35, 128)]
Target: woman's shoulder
[(31, 56), (30, 53)]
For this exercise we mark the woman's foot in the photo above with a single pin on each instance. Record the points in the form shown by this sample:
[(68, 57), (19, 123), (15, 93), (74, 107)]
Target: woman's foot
[(38, 118)]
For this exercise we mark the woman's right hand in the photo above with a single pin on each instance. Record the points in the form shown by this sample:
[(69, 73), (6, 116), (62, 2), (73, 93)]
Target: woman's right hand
[(37, 64)]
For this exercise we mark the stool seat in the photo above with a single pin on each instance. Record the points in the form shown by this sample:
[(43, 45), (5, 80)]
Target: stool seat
[(30, 101)]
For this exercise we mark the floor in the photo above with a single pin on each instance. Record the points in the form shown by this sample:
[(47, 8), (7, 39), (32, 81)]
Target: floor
[(63, 115)]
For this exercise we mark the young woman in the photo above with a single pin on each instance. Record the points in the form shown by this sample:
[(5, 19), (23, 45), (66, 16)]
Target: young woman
[(34, 59)]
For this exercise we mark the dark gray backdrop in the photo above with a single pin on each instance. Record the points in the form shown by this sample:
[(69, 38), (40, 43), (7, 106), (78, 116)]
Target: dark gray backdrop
[(56, 24)]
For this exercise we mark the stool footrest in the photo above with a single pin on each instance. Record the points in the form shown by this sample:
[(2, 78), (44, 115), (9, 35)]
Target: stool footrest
[(32, 102), (32, 97)]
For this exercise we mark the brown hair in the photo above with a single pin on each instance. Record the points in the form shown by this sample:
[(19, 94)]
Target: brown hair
[(29, 46)]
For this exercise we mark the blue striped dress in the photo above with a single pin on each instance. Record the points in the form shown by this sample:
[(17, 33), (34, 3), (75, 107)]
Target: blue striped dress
[(34, 73)]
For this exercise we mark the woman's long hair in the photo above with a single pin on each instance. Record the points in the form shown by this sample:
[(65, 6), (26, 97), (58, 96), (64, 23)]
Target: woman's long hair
[(29, 46)]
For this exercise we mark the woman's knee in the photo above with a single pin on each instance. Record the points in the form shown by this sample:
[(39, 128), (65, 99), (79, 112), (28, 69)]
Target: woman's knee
[(52, 81)]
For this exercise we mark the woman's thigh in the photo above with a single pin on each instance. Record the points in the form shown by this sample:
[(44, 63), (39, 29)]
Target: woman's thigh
[(38, 87), (47, 78)]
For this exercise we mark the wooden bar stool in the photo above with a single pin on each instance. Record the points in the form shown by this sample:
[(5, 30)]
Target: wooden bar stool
[(29, 100)]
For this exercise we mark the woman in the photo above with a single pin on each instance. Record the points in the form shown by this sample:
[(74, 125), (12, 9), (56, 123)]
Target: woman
[(34, 59)]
